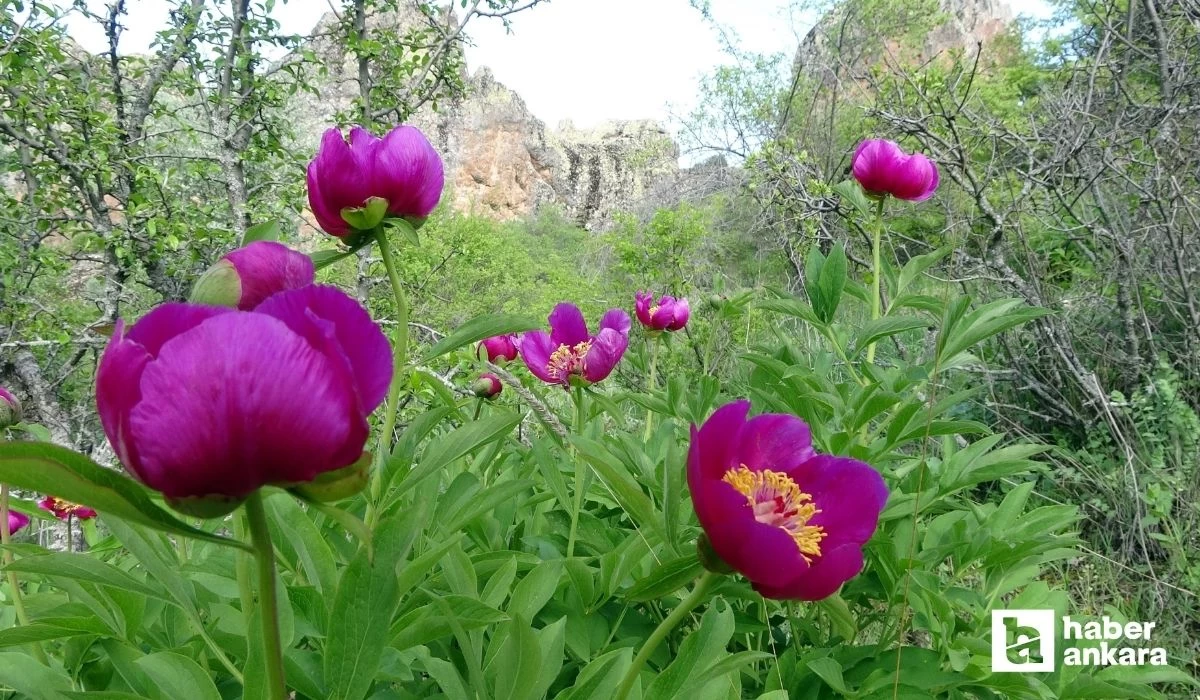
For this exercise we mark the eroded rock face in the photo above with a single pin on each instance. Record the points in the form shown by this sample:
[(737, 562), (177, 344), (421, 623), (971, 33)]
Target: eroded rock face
[(501, 160)]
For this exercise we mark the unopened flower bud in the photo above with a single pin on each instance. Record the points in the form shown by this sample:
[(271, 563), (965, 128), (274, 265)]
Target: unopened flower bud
[(487, 386), (245, 277), (10, 409)]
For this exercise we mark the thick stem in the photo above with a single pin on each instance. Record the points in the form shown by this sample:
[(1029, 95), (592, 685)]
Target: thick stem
[(651, 386), (268, 603), (577, 506), (13, 583), (399, 360), (664, 628), (70, 533), (877, 270)]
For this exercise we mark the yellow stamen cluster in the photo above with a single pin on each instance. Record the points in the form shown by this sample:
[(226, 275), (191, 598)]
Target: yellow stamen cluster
[(567, 360), (776, 500)]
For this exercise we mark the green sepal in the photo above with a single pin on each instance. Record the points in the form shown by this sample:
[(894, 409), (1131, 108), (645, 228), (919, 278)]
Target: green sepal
[(337, 484), (709, 558), (218, 286), (368, 216), (205, 507)]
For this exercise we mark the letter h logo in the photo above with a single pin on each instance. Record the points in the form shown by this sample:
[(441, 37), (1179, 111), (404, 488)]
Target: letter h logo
[(1022, 641)]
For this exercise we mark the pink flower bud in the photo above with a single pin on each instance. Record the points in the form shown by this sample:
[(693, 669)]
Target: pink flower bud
[(10, 409), (16, 521), (245, 277), (487, 386), (402, 169), (883, 168), (499, 348)]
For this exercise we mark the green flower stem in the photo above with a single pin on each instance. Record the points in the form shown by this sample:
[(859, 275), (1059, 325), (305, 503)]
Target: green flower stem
[(13, 583), (399, 361), (577, 506), (268, 604), (70, 532), (652, 385), (664, 628), (877, 270)]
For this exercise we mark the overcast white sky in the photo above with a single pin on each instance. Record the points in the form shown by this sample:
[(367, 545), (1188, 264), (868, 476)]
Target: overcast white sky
[(584, 60)]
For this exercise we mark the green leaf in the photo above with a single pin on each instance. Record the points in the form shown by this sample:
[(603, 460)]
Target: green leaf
[(39, 466), (31, 679), (666, 578), (448, 448), (854, 195), (84, 567), (829, 671), (40, 632), (519, 661), (599, 679), (311, 548), (177, 676), (405, 229), (880, 328), (480, 328), (535, 590), (266, 231), (792, 307), (325, 258), (699, 651), (430, 622), (366, 599), (830, 284), (961, 331), (625, 488)]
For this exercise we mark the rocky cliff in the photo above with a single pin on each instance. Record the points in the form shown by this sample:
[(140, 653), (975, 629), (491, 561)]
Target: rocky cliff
[(501, 160)]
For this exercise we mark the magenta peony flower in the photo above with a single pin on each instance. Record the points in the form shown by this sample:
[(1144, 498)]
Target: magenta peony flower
[(202, 401), (569, 351), (790, 520), (401, 168), (668, 314), (487, 386), (498, 347), (10, 409), (243, 278), (883, 168), (63, 509), (16, 521)]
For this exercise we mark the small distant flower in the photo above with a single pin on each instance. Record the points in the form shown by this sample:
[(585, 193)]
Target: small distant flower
[(245, 277), (791, 521), (10, 409), (204, 401), (667, 314), (63, 509), (402, 169), (569, 352), (883, 168), (16, 521), (498, 348), (488, 386)]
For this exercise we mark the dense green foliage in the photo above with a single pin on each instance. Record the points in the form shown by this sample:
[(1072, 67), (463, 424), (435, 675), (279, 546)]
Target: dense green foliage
[(1031, 401)]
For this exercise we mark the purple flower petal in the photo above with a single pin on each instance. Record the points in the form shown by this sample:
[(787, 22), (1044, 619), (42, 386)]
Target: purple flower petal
[(714, 442), (411, 172), (821, 580), (364, 345), (641, 307), (329, 217), (118, 389), (262, 406), (166, 321), (567, 326), (16, 521), (536, 347), (616, 319), (849, 493), (682, 312), (267, 267), (604, 354), (774, 441)]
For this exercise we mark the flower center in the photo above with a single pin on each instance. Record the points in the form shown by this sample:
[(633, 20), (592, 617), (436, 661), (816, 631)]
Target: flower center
[(64, 507), (568, 360), (779, 502), (653, 310)]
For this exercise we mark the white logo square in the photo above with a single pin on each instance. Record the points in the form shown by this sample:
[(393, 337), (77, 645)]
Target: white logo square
[(1023, 641)]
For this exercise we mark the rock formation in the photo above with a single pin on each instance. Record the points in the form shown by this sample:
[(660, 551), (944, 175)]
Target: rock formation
[(501, 160)]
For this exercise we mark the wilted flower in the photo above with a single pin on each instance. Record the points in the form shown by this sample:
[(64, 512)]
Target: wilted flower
[(667, 314), (883, 168), (10, 409), (498, 347), (569, 351), (791, 521), (64, 509), (401, 169), (204, 401), (487, 386), (248, 275)]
